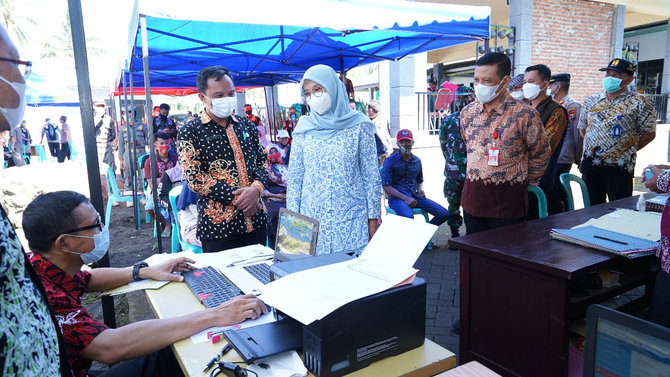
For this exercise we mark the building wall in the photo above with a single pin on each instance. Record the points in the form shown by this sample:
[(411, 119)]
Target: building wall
[(650, 45), (573, 36)]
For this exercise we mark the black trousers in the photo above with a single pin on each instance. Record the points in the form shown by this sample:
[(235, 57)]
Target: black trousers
[(64, 152), (605, 184), (54, 147), (474, 224), (559, 200), (257, 236), (158, 364), (659, 310)]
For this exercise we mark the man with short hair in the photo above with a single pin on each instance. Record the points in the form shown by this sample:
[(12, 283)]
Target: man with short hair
[(507, 149), (615, 124), (248, 110), (283, 146), (31, 344), (455, 156), (51, 131), (381, 128), (65, 232), (555, 122), (65, 139), (225, 164), (128, 132), (16, 147), (571, 152), (165, 160), (163, 122), (402, 177)]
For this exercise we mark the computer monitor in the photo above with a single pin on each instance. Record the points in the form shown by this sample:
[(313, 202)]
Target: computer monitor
[(296, 235), (618, 344)]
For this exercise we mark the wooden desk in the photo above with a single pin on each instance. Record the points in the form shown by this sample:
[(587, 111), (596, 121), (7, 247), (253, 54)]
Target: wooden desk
[(515, 293), (471, 369), (176, 299)]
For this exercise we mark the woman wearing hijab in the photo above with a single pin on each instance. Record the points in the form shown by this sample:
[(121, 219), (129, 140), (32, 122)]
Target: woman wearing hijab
[(333, 175)]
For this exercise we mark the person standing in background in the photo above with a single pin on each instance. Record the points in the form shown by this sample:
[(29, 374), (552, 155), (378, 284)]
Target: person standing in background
[(65, 139)]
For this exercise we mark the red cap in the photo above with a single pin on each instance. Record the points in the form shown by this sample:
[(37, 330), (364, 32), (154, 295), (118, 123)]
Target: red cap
[(404, 135)]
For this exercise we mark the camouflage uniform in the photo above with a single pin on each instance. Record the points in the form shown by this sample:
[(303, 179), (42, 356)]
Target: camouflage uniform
[(455, 157), (124, 150)]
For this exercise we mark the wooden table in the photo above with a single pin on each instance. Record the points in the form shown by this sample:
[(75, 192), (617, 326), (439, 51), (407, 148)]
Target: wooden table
[(176, 299), (515, 292)]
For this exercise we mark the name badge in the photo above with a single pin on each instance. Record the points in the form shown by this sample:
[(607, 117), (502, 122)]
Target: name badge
[(494, 154)]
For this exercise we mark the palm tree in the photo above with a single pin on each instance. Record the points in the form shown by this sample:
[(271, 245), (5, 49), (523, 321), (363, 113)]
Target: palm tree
[(16, 21), (60, 43)]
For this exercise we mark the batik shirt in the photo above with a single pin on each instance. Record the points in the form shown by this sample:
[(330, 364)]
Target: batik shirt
[(28, 338), (64, 295), (663, 252), (217, 160), (613, 129), (455, 155), (524, 151)]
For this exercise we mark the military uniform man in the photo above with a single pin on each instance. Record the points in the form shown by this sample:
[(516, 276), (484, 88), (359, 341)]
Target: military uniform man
[(615, 125), (571, 152), (140, 138), (456, 157)]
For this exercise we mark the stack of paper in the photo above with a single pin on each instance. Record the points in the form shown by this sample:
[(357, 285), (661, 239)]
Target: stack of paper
[(606, 240), (656, 203)]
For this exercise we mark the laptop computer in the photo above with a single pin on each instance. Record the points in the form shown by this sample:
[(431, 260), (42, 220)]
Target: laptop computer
[(296, 238), (618, 344)]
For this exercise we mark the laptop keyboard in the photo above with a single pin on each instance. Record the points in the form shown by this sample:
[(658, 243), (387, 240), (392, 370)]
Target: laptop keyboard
[(260, 271), (210, 287)]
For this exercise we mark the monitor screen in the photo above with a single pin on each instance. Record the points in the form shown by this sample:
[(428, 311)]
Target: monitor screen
[(623, 351)]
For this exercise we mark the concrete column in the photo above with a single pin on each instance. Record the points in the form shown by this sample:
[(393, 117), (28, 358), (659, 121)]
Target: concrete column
[(617, 31), (521, 17), (665, 82), (401, 97)]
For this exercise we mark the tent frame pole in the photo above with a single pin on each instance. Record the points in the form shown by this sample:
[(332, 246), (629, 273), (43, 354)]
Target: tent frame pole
[(88, 125)]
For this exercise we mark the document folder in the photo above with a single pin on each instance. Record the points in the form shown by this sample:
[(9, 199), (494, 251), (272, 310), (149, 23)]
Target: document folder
[(606, 240), (257, 342)]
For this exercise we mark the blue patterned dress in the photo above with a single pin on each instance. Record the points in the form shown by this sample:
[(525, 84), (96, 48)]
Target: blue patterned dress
[(336, 181)]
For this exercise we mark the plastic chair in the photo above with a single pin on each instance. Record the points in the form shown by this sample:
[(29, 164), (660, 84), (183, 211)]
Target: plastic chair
[(566, 178), (145, 184), (541, 200), (41, 153), (115, 195), (176, 229), (74, 153)]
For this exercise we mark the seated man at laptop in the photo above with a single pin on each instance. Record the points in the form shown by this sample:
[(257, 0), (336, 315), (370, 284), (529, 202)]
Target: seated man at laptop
[(402, 177), (64, 232)]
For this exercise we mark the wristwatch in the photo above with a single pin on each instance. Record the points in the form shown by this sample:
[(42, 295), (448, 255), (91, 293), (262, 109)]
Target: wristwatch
[(136, 269)]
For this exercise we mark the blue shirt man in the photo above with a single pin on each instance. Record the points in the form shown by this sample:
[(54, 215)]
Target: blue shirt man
[(402, 177)]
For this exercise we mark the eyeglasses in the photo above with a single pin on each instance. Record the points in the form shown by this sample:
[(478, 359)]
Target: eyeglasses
[(27, 66), (317, 92), (98, 224)]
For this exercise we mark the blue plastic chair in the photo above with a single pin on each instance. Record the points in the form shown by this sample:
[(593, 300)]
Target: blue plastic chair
[(114, 195), (74, 153), (566, 178), (541, 200), (41, 153), (145, 184), (176, 229)]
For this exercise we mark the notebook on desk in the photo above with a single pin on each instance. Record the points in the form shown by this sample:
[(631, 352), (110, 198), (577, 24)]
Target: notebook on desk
[(618, 344), (296, 238), (606, 240)]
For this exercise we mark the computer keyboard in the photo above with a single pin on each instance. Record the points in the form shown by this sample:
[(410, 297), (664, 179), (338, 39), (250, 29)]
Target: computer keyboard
[(260, 271), (210, 287)]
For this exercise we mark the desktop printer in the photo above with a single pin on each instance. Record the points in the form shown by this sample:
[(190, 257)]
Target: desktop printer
[(366, 330)]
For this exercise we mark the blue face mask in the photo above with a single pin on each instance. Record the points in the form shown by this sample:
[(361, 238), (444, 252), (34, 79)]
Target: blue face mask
[(101, 241), (611, 84)]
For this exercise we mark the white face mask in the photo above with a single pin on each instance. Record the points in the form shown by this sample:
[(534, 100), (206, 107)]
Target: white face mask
[(531, 91), (549, 93), (486, 94), (15, 115), (517, 95), (321, 104), (223, 107), (101, 241)]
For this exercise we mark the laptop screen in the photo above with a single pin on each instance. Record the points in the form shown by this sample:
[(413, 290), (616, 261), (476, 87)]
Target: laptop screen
[(296, 235), (623, 345)]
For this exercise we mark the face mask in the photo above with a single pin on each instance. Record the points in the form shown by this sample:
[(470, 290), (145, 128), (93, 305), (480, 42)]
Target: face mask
[(405, 149), (531, 91), (320, 105), (611, 84), (223, 107), (486, 94), (164, 150), (275, 158), (518, 95), (14, 116), (101, 241), (549, 93)]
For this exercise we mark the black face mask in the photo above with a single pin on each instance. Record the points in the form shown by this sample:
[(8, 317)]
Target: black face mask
[(405, 149), (163, 117)]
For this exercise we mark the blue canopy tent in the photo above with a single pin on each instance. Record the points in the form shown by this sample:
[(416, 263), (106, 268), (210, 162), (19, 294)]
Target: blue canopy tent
[(264, 53), (40, 92)]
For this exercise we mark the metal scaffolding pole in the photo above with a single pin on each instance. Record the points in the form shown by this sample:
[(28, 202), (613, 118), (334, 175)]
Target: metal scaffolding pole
[(88, 125), (147, 110)]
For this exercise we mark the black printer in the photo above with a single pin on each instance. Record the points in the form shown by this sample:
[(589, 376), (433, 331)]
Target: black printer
[(366, 330)]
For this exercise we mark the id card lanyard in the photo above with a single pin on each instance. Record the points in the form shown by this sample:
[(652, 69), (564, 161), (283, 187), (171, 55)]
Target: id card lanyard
[(494, 152)]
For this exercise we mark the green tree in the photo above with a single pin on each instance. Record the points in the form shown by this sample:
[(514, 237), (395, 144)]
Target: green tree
[(59, 44), (17, 22)]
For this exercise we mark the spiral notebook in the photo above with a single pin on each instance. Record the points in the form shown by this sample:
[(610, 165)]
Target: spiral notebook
[(606, 240)]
